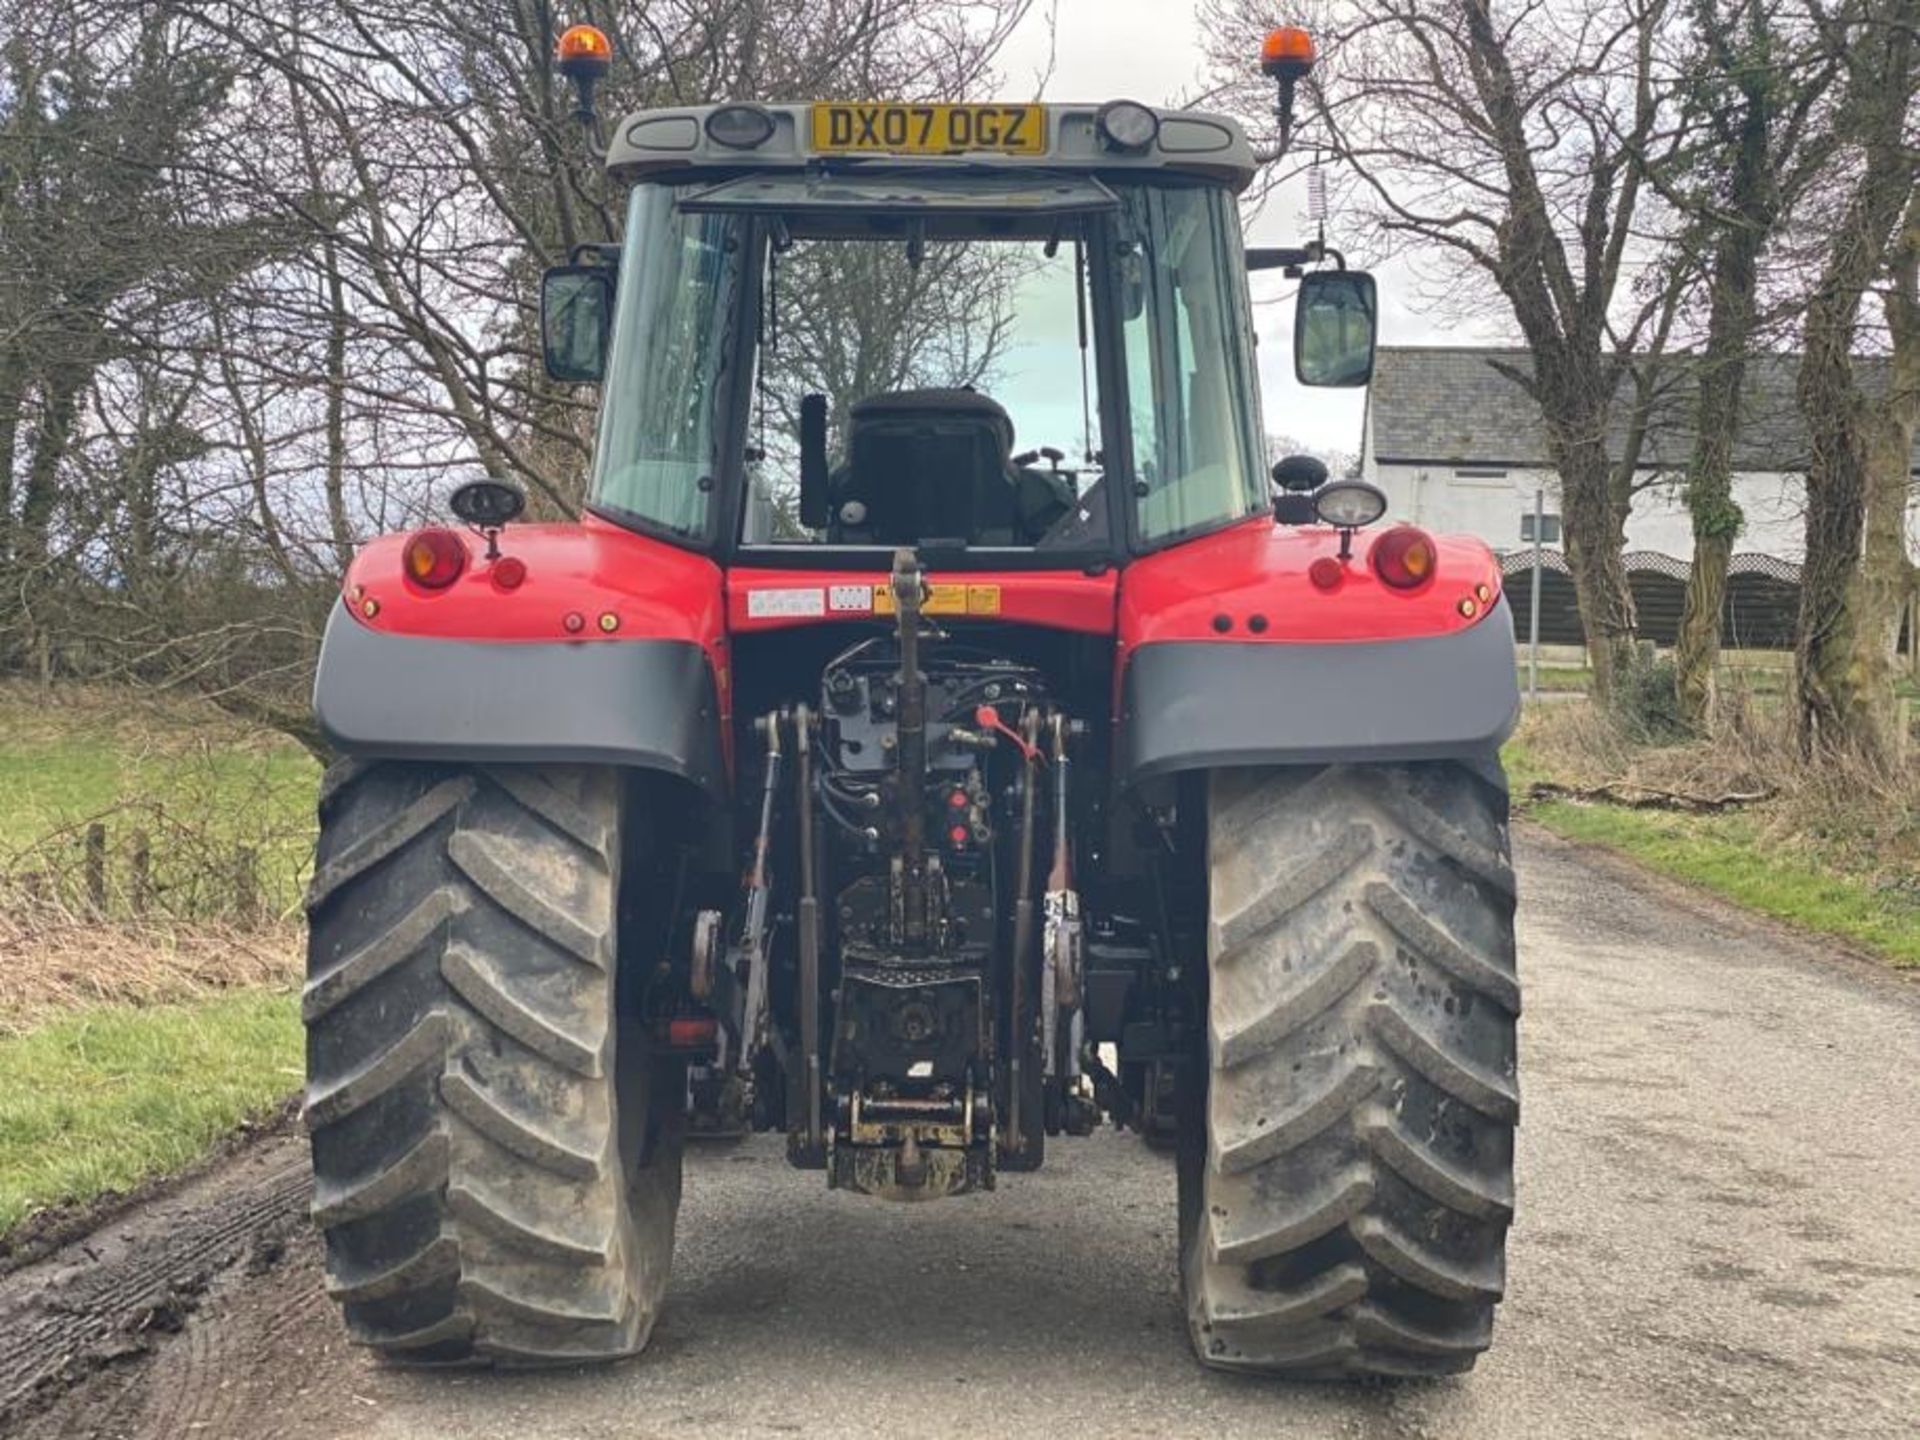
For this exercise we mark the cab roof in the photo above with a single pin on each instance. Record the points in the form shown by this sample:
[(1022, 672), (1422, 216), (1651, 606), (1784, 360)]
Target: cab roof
[(664, 144)]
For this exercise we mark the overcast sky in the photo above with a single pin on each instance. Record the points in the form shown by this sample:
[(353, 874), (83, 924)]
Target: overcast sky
[(1150, 50)]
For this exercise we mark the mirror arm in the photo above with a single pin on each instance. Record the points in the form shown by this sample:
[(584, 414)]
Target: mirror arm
[(1293, 258), (1268, 257), (603, 253)]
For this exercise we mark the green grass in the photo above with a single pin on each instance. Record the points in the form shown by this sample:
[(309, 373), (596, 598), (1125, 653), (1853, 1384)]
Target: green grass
[(1755, 679), (1838, 885), (198, 784), (1727, 855), (1559, 679), (104, 1099), (52, 785)]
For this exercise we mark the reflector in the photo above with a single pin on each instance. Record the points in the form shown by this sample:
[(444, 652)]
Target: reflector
[(691, 1032)]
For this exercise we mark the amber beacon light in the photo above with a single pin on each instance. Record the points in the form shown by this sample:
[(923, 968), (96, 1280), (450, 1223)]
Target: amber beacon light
[(584, 55), (1287, 54), (584, 51), (1286, 57)]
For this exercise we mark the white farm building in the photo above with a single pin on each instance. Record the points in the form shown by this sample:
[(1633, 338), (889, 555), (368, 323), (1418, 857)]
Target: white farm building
[(1457, 445)]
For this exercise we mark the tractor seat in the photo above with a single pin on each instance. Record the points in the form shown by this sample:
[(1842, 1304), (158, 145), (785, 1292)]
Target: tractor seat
[(935, 464)]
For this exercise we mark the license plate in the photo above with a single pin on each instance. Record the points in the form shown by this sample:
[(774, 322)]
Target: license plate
[(930, 129)]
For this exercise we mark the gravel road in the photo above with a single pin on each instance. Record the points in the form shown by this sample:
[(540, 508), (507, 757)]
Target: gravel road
[(1718, 1236)]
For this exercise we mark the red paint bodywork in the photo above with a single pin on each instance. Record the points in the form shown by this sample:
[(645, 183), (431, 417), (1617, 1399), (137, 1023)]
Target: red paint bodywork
[(1259, 569), (656, 591), (592, 569), (1054, 599)]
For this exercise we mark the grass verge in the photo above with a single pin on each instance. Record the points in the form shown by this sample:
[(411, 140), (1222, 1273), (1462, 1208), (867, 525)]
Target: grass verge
[(1752, 678), (1821, 853), (1723, 855), (103, 1099), (194, 790)]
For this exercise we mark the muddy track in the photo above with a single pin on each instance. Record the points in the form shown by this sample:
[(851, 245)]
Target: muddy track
[(110, 1298)]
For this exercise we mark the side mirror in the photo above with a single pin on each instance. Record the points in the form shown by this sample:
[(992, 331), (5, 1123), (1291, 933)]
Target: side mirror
[(1298, 476), (576, 319), (1303, 473), (1336, 322)]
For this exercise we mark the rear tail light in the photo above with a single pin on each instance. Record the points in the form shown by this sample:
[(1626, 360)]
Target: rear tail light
[(691, 1032), (435, 558), (1404, 557)]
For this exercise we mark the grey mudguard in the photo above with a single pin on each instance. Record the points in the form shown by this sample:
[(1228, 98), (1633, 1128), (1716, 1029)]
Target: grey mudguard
[(643, 703), (1206, 704)]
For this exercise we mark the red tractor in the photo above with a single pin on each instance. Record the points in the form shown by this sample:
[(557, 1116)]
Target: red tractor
[(938, 737)]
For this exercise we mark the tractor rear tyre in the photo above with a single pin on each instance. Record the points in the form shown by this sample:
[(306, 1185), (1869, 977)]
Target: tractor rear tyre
[(1346, 1177), (496, 1155)]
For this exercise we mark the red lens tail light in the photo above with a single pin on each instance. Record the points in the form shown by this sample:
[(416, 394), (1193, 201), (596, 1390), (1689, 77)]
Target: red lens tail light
[(1404, 557), (691, 1032), (435, 558)]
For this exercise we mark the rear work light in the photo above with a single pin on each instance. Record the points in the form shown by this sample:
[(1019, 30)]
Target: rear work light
[(1404, 557), (435, 558), (740, 127), (1127, 126)]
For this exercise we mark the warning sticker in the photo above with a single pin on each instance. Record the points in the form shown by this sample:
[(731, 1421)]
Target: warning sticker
[(946, 600), (850, 599), (780, 604)]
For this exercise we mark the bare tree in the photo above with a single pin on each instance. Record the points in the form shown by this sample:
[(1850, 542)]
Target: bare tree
[(290, 250), (1856, 570), (1755, 76), (93, 121), (1511, 146)]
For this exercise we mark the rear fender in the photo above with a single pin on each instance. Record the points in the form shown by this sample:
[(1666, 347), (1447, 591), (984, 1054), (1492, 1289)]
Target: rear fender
[(1231, 655), (611, 650)]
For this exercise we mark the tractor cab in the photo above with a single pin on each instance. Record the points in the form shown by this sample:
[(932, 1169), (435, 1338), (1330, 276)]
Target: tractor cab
[(1010, 335)]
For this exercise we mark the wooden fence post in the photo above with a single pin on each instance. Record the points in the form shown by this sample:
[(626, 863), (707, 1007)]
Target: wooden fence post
[(96, 869), (140, 864), (246, 886)]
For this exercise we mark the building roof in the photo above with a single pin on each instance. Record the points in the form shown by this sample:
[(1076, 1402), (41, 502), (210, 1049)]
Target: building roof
[(1451, 405)]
